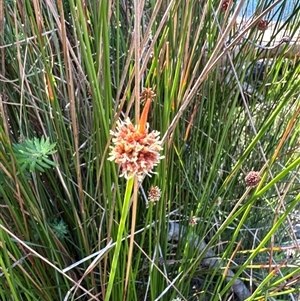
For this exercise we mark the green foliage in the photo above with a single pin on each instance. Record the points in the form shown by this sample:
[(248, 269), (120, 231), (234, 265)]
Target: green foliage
[(60, 228), (33, 154), (71, 71)]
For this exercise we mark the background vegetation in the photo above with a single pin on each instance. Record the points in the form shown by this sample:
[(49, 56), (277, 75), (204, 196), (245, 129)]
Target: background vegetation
[(69, 70)]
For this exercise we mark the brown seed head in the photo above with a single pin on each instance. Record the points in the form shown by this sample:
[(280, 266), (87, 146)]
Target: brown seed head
[(252, 179), (224, 5), (147, 93), (262, 25), (154, 194)]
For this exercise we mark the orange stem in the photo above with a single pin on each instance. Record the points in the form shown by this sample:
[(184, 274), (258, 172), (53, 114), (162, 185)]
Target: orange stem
[(144, 116)]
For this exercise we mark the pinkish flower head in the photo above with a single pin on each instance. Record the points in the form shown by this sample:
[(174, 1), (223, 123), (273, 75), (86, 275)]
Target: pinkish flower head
[(136, 152), (193, 221), (154, 194), (224, 5), (262, 25), (252, 179)]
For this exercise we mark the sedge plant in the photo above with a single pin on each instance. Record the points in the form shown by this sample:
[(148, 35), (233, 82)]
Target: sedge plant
[(226, 81)]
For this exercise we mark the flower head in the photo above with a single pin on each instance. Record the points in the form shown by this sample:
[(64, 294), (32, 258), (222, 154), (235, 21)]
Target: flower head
[(193, 221), (154, 194), (136, 151), (262, 25), (147, 97), (147, 93), (252, 179), (224, 5)]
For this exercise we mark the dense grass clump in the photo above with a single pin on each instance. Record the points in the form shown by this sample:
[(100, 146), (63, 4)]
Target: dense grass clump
[(149, 150)]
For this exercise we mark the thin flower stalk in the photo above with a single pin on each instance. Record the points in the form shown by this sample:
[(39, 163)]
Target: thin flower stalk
[(142, 128), (137, 152), (115, 260)]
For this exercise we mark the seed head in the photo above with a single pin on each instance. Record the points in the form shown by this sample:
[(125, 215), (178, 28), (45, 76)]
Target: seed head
[(262, 25), (193, 221), (252, 179), (154, 194), (224, 5), (147, 93)]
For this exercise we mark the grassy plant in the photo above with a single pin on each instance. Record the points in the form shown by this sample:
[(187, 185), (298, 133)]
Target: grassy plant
[(69, 223)]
